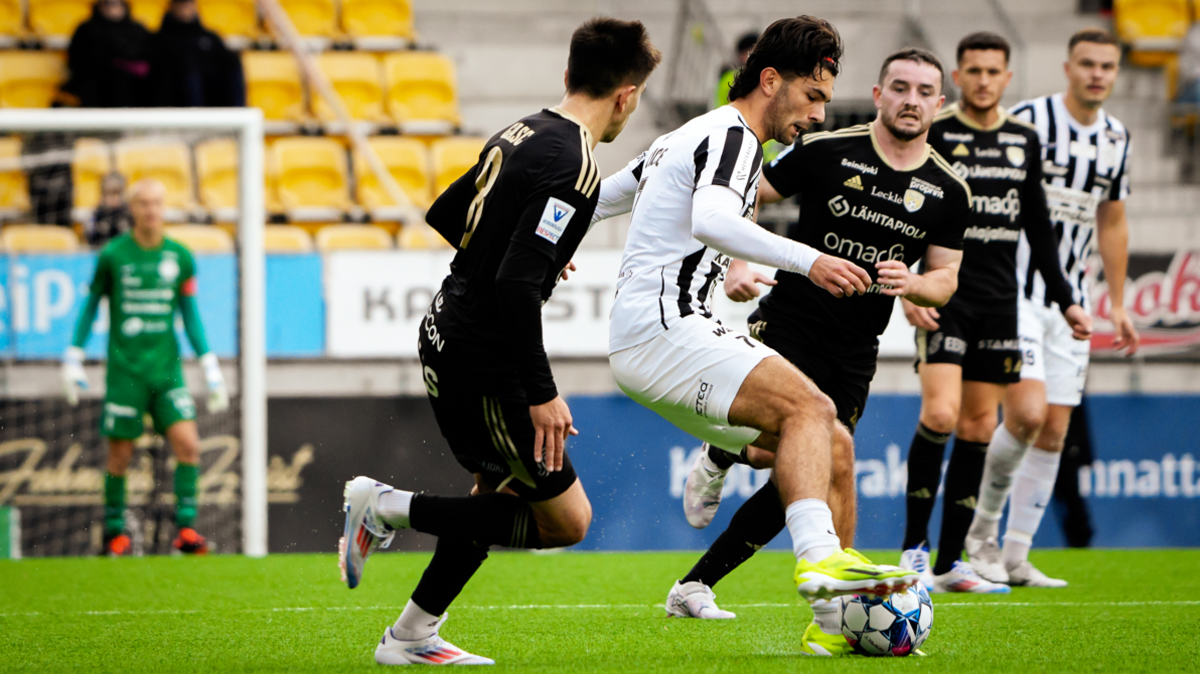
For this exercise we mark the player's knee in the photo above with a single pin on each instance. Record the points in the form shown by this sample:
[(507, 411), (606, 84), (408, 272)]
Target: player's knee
[(941, 417), (1025, 422), (760, 458), (977, 427), (569, 530)]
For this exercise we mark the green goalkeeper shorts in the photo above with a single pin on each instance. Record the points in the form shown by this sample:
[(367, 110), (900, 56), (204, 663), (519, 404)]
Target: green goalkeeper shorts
[(130, 396)]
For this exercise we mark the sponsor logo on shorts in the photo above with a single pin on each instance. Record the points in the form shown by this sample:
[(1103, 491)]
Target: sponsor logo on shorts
[(955, 345), (120, 410), (935, 343), (999, 345), (703, 395)]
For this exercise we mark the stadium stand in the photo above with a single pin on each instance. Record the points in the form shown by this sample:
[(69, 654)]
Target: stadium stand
[(12, 22), (286, 239), (231, 19), (30, 79), (56, 20), (358, 80), (168, 161), (1153, 29), (273, 84), (348, 237), (408, 162), (38, 239), (217, 178), (313, 178), (421, 92), (420, 236), (91, 162), (202, 238), (453, 157), (378, 18), (312, 18), (14, 188), (148, 12)]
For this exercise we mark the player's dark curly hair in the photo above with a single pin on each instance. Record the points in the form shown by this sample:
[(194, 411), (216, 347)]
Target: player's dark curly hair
[(802, 46), (983, 41), (609, 53), (912, 54)]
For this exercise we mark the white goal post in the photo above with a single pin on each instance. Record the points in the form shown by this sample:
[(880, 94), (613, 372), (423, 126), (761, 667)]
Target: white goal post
[(247, 124)]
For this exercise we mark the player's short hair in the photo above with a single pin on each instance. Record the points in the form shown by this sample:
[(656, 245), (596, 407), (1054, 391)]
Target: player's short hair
[(915, 54), (983, 41), (609, 53), (803, 45), (1093, 35)]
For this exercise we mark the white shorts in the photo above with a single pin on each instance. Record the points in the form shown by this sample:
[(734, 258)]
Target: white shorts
[(690, 375), (1050, 354)]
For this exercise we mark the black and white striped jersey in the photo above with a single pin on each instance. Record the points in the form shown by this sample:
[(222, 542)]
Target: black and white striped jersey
[(666, 273), (1082, 166)]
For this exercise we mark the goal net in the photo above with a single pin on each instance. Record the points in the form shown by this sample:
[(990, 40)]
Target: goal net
[(64, 178)]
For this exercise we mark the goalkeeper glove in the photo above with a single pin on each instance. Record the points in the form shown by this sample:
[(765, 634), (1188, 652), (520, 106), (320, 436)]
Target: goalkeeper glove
[(218, 395), (74, 378)]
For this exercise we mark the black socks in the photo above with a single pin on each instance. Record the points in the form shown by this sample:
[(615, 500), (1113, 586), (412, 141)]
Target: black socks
[(759, 520), (924, 473), (958, 504)]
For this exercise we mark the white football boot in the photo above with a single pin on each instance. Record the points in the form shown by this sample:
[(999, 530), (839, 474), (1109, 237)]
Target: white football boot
[(702, 493), (962, 578), (917, 559), (987, 558), (365, 530), (432, 650), (695, 600), (1026, 574)]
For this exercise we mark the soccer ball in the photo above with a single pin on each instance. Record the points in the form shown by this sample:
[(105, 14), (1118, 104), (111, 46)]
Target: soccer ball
[(893, 625)]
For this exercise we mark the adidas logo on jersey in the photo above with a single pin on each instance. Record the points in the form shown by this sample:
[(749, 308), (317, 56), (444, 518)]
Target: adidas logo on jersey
[(855, 182), (961, 151)]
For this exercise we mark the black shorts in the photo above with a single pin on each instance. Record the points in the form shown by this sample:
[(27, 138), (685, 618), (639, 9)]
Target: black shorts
[(985, 344), (843, 374), (489, 430)]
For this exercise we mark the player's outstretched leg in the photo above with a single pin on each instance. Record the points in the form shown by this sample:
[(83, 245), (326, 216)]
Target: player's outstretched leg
[(694, 600)]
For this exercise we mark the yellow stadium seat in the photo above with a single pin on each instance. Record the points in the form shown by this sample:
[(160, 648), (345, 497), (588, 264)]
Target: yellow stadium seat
[(408, 162), (167, 161), (273, 84), (1152, 28), (354, 237), (89, 165), (229, 18), (58, 18), (14, 190), (286, 239), (148, 12), (217, 177), (312, 175), (271, 175), (357, 79), (30, 79), (420, 236), (421, 88), (452, 157), (378, 18), (11, 20), (312, 18), (202, 238), (38, 239)]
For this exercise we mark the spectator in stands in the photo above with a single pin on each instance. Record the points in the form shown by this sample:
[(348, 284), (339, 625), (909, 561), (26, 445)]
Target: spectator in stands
[(190, 65), (1187, 89), (744, 44), (112, 217), (107, 59)]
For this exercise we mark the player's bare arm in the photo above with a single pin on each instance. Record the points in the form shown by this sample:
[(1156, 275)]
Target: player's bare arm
[(933, 288), (1112, 240)]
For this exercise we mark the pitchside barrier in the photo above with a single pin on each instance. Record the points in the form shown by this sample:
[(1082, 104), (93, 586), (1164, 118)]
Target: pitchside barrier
[(369, 304)]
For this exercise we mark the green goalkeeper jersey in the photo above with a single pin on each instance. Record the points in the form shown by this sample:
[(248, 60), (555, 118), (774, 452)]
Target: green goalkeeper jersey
[(144, 287)]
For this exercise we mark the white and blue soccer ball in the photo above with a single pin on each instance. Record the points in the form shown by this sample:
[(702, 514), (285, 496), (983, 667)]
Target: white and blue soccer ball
[(892, 625)]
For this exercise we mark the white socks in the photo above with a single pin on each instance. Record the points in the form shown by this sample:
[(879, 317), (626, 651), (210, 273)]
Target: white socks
[(1004, 456), (1032, 489), (414, 623), (810, 523), (827, 615), (394, 507)]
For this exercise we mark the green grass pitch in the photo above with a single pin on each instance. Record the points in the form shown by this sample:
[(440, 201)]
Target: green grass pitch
[(1126, 611)]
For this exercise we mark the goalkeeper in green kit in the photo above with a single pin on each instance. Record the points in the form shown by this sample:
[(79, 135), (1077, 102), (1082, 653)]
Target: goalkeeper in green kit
[(147, 278)]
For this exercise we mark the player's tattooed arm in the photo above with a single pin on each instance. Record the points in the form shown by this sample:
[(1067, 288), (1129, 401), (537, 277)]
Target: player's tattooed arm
[(933, 288), (1112, 240)]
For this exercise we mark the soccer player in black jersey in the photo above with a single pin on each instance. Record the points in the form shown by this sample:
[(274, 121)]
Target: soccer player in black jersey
[(878, 196), (516, 219), (968, 351)]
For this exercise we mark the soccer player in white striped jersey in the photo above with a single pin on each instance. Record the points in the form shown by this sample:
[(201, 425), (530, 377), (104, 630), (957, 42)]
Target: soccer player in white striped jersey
[(1086, 177), (692, 195)]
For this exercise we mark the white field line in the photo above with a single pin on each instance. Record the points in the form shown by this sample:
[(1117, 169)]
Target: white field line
[(573, 607)]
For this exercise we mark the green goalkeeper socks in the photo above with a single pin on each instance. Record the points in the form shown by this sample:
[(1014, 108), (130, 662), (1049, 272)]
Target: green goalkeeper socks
[(114, 504), (186, 476)]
